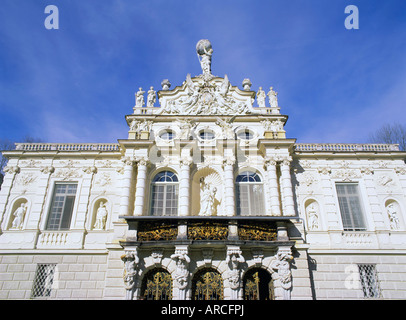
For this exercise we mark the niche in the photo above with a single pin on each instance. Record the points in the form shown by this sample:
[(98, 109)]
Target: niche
[(18, 214), (100, 214)]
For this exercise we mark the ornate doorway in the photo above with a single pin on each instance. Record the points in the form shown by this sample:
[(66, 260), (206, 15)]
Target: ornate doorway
[(207, 285), (258, 285), (157, 285)]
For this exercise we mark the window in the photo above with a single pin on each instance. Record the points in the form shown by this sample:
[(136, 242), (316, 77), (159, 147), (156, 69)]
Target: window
[(44, 278), (250, 197), (369, 280), (167, 135), (62, 206), (164, 194), (350, 206), (245, 135), (206, 135)]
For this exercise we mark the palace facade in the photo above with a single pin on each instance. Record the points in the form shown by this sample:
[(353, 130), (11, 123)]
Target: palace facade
[(206, 199)]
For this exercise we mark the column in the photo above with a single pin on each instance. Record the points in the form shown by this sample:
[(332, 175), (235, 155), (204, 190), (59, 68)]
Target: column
[(140, 187), (229, 185), (184, 185), (270, 165), (288, 203), (126, 186)]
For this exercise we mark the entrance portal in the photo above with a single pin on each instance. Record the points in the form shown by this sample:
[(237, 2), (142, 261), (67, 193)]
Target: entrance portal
[(258, 285)]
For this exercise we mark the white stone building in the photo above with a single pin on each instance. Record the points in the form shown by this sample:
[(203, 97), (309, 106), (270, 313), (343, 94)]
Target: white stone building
[(205, 199)]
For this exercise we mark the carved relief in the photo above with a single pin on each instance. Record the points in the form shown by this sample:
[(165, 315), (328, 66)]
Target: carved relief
[(234, 260), (131, 260), (281, 264)]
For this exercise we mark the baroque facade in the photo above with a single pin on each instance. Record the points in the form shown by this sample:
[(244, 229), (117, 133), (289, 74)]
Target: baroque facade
[(205, 200)]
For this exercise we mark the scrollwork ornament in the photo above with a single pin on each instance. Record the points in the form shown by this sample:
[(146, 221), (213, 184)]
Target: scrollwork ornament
[(128, 161), (141, 161), (90, 170), (228, 161), (11, 169), (48, 170), (186, 161)]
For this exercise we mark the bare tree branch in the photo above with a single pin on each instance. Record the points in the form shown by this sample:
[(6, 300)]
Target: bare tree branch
[(391, 134)]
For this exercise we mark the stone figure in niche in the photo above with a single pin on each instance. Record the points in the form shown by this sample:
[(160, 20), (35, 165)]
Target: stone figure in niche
[(151, 98), (19, 216), (261, 96), (181, 274), (204, 51), (312, 216), (101, 217), (139, 100), (207, 197), (282, 265), (130, 259), (234, 258), (393, 216)]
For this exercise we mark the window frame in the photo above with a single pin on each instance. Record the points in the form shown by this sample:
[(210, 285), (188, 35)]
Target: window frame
[(245, 132), (165, 184), (171, 135), (68, 219), (203, 132), (250, 198), (348, 219)]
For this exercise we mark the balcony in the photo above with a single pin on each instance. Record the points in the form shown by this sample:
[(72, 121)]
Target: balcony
[(197, 231)]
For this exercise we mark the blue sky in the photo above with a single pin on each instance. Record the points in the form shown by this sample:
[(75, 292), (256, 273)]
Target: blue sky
[(77, 83)]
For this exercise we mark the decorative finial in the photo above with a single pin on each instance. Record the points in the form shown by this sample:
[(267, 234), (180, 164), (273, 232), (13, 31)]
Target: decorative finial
[(204, 51), (247, 84), (165, 84)]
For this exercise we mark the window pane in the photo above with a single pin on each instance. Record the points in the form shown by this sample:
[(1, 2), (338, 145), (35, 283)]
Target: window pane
[(62, 206), (164, 194), (350, 206)]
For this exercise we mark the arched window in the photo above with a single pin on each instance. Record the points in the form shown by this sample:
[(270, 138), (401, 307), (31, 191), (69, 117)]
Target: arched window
[(250, 194), (164, 195)]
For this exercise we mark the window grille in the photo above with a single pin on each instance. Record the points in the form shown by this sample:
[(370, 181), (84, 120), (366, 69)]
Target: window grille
[(369, 280), (44, 279), (350, 207), (62, 206)]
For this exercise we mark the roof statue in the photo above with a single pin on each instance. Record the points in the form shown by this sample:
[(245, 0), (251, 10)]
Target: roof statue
[(205, 94), (204, 51)]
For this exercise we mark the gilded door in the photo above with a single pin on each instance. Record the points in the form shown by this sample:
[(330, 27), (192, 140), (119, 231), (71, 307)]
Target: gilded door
[(207, 285), (258, 285), (157, 285)]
